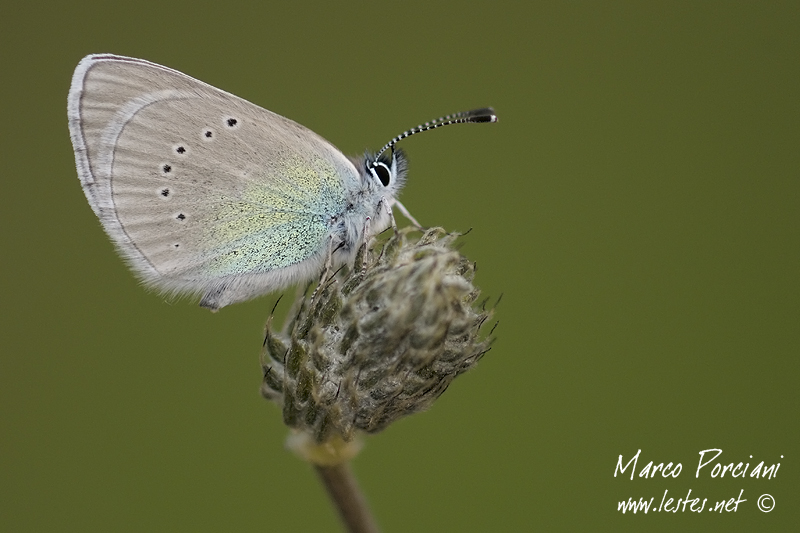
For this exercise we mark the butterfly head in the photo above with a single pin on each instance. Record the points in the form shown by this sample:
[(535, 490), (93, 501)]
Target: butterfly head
[(386, 172)]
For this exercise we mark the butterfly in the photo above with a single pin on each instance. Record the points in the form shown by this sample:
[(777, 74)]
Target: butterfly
[(205, 193)]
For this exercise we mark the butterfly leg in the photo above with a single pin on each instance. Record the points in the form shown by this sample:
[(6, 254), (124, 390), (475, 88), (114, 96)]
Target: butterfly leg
[(389, 211), (406, 214), (325, 271), (366, 246)]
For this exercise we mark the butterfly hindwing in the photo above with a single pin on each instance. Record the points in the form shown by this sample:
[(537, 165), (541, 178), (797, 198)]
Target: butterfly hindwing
[(200, 190)]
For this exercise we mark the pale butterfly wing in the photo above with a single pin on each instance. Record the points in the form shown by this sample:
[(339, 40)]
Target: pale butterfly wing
[(201, 191)]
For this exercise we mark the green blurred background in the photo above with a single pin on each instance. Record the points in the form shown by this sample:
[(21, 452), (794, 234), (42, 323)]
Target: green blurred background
[(637, 204)]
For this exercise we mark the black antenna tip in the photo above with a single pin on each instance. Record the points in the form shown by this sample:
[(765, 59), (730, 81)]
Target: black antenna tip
[(485, 114)]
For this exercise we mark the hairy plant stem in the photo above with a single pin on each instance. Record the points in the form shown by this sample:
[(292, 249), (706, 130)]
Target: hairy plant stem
[(347, 497)]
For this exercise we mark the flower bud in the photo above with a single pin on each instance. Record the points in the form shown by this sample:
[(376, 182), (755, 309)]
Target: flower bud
[(377, 341)]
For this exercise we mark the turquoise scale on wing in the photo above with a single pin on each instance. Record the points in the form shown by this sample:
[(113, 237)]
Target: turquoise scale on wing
[(277, 221)]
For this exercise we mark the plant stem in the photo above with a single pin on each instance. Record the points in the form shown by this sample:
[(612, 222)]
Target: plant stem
[(347, 497)]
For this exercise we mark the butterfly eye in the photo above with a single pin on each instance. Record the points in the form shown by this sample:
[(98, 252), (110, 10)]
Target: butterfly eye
[(381, 171)]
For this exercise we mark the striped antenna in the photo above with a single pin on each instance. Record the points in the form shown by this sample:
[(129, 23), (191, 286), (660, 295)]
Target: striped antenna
[(485, 114)]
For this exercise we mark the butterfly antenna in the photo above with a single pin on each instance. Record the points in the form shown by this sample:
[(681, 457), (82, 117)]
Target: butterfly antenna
[(485, 114)]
